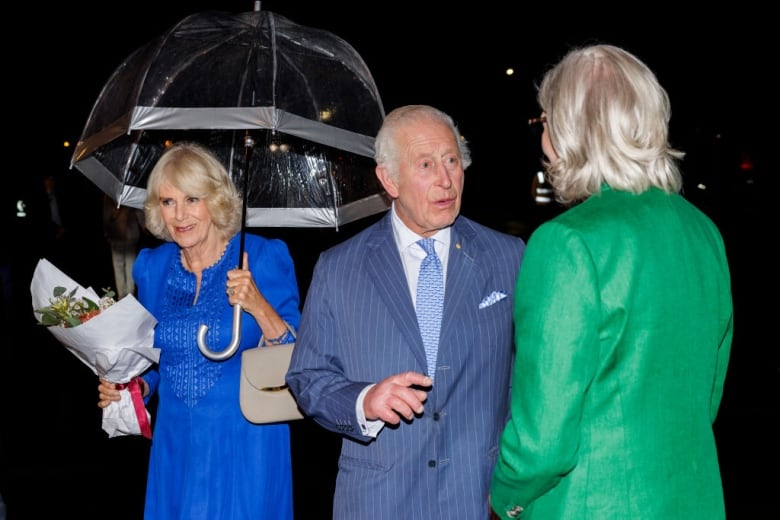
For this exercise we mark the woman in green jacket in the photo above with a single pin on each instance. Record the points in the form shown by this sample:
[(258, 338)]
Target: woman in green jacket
[(623, 315)]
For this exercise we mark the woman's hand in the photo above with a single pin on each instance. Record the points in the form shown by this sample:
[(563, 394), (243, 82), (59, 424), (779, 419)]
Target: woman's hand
[(241, 290), (108, 393)]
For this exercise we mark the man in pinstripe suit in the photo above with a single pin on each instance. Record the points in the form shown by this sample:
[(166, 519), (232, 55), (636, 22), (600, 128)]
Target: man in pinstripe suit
[(418, 442)]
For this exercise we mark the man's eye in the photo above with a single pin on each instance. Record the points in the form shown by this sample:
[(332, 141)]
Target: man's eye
[(425, 165)]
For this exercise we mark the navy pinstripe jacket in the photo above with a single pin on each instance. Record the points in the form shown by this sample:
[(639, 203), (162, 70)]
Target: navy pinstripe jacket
[(359, 326)]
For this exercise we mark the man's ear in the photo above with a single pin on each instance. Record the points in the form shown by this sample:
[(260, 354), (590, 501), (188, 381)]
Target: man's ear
[(388, 183)]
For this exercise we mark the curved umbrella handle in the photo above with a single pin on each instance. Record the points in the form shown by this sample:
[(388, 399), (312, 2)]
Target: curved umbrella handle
[(231, 348)]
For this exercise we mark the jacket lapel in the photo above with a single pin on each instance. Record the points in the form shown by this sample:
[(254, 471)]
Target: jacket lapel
[(383, 264), (462, 275)]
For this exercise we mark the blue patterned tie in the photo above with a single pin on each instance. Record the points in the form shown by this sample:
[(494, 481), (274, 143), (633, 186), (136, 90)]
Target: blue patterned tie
[(430, 301)]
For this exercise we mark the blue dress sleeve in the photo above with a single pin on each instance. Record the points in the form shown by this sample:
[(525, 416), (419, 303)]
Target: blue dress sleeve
[(273, 270), (147, 273)]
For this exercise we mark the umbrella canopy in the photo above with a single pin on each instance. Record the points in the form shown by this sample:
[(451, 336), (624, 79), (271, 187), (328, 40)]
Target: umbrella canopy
[(302, 97)]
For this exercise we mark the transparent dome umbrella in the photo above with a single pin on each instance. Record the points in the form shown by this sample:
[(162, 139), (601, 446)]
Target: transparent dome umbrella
[(292, 112)]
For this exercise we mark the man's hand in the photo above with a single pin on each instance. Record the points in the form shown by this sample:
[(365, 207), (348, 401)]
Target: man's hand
[(394, 397)]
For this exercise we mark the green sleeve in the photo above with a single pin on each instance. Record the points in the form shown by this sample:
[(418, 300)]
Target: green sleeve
[(556, 307)]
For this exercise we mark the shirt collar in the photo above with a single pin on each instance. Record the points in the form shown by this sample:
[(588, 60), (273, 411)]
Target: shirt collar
[(405, 237)]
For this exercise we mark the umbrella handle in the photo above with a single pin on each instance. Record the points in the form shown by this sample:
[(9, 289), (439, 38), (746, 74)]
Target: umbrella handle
[(231, 348)]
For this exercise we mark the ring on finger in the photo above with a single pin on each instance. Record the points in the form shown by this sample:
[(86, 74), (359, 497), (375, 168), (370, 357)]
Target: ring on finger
[(231, 291)]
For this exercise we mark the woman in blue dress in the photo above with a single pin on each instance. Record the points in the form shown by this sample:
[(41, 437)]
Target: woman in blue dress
[(207, 461)]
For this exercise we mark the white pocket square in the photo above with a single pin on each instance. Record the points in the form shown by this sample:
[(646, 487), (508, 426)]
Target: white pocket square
[(495, 296)]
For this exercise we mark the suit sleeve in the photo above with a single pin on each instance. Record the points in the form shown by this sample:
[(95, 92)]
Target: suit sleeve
[(316, 374)]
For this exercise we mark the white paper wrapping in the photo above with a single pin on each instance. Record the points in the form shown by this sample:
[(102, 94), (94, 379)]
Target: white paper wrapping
[(119, 418)]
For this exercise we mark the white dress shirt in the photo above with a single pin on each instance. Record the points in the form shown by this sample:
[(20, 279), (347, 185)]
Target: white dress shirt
[(412, 256)]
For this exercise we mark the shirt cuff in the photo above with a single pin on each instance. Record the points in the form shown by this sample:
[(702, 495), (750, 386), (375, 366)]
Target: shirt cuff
[(367, 428)]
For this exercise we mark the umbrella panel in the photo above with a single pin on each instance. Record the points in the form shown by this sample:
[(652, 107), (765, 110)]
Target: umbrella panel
[(305, 95), (291, 181), (248, 70)]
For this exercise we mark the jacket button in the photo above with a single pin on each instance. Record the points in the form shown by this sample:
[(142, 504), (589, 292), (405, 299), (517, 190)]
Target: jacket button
[(436, 416), (431, 463)]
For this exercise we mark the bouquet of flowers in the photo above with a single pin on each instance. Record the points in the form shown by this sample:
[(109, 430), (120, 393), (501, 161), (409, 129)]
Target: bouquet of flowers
[(66, 310), (113, 338)]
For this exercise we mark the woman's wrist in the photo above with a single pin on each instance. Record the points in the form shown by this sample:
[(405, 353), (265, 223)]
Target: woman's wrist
[(284, 337)]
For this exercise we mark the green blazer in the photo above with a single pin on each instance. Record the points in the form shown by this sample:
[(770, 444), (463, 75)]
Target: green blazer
[(624, 320)]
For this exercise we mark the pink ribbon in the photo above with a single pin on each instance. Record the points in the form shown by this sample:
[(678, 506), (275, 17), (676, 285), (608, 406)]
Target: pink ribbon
[(136, 397)]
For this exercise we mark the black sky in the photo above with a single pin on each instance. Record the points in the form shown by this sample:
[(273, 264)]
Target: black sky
[(713, 63)]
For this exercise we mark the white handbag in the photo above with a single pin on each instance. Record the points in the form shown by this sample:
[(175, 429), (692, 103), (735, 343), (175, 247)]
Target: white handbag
[(263, 392)]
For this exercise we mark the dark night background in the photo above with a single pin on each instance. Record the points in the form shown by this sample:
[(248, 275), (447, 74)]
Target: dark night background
[(715, 63)]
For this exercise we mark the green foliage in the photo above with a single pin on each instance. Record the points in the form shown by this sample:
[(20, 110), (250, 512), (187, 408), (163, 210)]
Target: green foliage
[(65, 310)]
